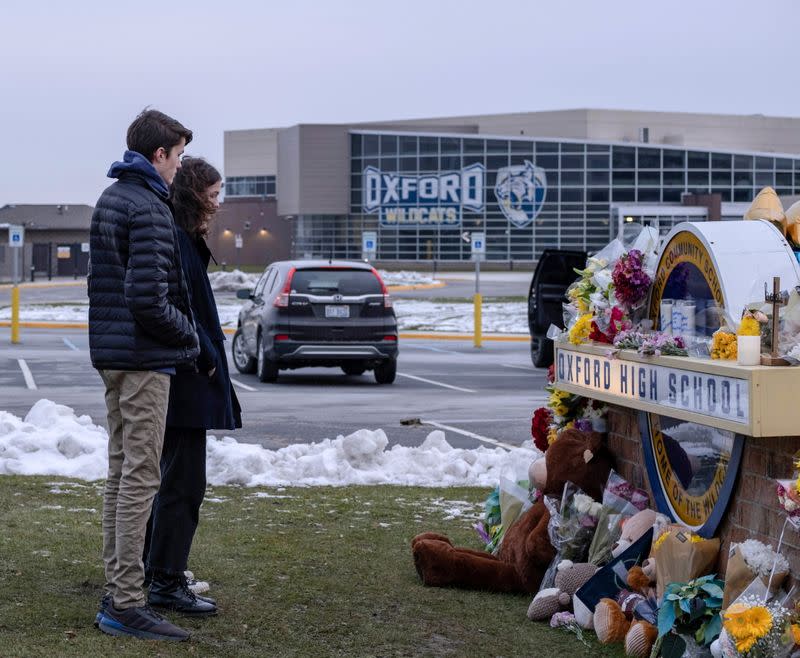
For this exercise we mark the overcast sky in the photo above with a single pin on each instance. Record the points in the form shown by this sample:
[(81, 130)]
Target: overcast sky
[(73, 75)]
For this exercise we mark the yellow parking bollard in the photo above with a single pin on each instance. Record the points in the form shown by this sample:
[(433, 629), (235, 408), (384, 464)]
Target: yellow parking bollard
[(15, 314), (478, 329)]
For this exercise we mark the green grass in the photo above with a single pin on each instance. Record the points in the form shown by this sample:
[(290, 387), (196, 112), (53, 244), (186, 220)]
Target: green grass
[(305, 572)]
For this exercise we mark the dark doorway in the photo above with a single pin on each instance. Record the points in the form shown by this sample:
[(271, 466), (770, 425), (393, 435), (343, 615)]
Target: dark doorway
[(72, 260), (41, 258)]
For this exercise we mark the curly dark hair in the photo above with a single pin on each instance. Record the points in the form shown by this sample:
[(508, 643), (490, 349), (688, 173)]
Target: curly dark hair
[(191, 209)]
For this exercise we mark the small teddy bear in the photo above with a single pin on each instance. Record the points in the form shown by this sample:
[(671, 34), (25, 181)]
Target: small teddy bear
[(570, 577)]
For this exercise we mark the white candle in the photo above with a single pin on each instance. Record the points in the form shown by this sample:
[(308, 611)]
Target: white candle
[(666, 316), (748, 350)]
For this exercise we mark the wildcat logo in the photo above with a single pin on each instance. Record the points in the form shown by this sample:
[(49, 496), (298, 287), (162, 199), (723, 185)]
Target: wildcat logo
[(520, 191), (433, 199)]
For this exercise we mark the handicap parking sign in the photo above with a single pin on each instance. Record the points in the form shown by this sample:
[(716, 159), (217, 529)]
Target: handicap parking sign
[(16, 236), (369, 241), (478, 245)]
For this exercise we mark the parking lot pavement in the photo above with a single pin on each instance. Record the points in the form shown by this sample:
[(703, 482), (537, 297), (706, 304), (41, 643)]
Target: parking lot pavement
[(477, 396)]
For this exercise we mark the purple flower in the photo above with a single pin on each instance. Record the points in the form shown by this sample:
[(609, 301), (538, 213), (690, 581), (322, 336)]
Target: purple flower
[(560, 619), (583, 425)]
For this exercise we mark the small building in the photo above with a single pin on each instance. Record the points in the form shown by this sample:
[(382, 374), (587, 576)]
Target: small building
[(56, 240)]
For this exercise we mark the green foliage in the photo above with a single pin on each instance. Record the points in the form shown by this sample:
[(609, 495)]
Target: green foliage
[(691, 609)]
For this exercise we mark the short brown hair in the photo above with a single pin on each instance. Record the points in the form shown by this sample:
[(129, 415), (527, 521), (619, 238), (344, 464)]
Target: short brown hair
[(152, 130)]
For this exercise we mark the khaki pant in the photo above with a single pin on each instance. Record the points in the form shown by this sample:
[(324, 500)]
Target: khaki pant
[(137, 410)]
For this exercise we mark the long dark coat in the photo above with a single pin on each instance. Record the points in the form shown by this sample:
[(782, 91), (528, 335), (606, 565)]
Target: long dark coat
[(195, 400)]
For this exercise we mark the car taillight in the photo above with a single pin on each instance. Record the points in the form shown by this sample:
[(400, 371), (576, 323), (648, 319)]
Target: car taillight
[(390, 337), (282, 299), (281, 336), (387, 302)]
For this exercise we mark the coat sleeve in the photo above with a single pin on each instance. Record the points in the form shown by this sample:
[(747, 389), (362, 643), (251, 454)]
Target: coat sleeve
[(191, 272), (150, 255)]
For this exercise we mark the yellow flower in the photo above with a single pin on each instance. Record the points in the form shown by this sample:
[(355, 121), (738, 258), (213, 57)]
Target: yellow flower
[(580, 331), (749, 327), (660, 540), (723, 345), (796, 633), (583, 307), (552, 435), (744, 644), (747, 625)]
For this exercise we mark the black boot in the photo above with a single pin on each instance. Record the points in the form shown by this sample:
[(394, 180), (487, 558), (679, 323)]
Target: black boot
[(172, 593)]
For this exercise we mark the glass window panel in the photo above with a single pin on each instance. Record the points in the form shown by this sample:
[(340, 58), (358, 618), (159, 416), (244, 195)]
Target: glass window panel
[(671, 195), (572, 178), (649, 178), (355, 165), (624, 157), (496, 146), (624, 177), (598, 177), (697, 160), (764, 163), (450, 145), (765, 178), (429, 145), (783, 179), (743, 194), (371, 145), (783, 190), (469, 158), (408, 164), (372, 162), (520, 159), (598, 195), (623, 194), (494, 162), (570, 147), (742, 178), (674, 159), (724, 192), (388, 144), (649, 158), (450, 162), (428, 163), (355, 145), (597, 161), (783, 163), (797, 179), (389, 163), (571, 161), (547, 161), (408, 145), (525, 148), (721, 160), (546, 147), (571, 194), (473, 146), (649, 194), (720, 177), (698, 178), (597, 148), (743, 161)]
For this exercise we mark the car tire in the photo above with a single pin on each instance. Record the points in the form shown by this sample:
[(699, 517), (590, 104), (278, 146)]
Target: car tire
[(266, 369), (244, 363), (386, 372), (541, 352), (353, 369)]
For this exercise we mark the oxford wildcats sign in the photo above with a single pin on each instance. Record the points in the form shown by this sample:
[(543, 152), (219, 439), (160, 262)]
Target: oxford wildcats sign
[(520, 191), (423, 200)]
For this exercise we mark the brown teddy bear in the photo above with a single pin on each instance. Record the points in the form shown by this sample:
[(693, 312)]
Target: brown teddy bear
[(526, 552)]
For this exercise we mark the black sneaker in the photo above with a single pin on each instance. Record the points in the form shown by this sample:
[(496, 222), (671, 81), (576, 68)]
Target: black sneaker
[(104, 603), (173, 593), (141, 622)]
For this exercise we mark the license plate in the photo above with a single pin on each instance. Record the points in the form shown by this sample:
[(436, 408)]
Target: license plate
[(337, 311)]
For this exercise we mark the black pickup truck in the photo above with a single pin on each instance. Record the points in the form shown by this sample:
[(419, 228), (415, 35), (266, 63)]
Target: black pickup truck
[(555, 271)]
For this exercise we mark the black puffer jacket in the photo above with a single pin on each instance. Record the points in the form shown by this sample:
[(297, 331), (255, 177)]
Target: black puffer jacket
[(139, 312)]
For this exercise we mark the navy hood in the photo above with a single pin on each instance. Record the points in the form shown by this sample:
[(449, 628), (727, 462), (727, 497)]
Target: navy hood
[(135, 162)]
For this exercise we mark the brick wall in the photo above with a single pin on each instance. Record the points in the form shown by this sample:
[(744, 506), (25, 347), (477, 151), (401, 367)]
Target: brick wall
[(753, 511)]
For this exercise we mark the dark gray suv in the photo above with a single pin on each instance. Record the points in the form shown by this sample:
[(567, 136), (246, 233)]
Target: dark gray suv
[(317, 313)]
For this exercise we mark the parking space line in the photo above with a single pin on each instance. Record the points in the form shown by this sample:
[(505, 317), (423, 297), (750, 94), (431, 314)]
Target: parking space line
[(430, 381), (509, 365), (432, 349), (471, 435), (70, 344), (236, 382), (26, 373)]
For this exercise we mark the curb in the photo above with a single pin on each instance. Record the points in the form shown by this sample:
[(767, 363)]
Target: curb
[(230, 330), (416, 286)]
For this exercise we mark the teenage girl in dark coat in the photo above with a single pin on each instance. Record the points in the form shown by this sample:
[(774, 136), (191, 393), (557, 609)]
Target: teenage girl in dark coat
[(198, 401)]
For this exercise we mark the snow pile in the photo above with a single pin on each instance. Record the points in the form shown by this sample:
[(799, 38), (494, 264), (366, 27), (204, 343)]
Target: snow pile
[(232, 281), (502, 318), (48, 313), (53, 441), (404, 278)]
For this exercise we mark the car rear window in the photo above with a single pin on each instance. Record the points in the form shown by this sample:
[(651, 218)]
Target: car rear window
[(328, 281)]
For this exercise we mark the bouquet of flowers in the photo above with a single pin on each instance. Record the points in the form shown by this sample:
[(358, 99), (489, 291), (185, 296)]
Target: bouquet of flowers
[(723, 345), (689, 609), (651, 343), (789, 496), (571, 527), (540, 427), (753, 628), (631, 282), (567, 621), (681, 556)]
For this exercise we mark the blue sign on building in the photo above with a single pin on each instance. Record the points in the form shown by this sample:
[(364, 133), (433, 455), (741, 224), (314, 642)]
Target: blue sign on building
[(425, 199), (520, 191)]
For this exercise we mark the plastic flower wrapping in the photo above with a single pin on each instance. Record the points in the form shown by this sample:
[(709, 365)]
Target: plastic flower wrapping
[(788, 492), (651, 343)]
